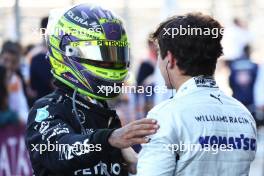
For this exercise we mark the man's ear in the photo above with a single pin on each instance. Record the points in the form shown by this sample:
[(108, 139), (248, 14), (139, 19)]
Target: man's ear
[(171, 60)]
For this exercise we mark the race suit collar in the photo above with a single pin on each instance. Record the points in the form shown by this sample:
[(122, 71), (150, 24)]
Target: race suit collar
[(86, 104), (195, 84), (81, 100)]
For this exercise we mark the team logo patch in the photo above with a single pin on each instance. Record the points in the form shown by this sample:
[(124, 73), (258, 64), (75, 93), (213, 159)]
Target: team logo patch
[(42, 114), (202, 81)]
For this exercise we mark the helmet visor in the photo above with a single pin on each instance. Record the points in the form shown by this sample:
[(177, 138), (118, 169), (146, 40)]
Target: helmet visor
[(104, 53)]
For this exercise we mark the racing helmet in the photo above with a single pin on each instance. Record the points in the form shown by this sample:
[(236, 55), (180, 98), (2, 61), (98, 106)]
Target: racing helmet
[(88, 50)]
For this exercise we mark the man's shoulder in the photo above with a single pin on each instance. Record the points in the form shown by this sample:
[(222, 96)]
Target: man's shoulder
[(161, 106), (48, 99), (232, 102), (49, 105)]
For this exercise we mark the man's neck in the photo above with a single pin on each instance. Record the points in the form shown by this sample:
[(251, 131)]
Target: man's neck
[(180, 80)]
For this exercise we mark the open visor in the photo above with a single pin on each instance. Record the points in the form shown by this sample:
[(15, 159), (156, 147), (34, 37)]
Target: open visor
[(107, 54)]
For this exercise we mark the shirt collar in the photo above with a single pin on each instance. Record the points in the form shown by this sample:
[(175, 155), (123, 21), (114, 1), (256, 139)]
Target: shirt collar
[(196, 83)]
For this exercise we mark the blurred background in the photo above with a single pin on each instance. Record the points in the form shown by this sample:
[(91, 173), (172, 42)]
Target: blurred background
[(26, 76)]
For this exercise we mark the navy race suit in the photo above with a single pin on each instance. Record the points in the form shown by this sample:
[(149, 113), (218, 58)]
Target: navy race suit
[(52, 124)]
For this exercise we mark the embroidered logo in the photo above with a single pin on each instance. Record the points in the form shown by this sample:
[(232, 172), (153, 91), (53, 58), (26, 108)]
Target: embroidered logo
[(42, 114)]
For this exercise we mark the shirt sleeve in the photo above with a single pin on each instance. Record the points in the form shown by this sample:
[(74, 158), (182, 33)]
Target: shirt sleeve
[(156, 158)]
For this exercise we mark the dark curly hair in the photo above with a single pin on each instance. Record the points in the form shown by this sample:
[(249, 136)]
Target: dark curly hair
[(196, 54)]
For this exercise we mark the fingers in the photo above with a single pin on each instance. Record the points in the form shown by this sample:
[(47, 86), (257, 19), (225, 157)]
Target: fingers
[(144, 124), (140, 133), (144, 127), (145, 121), (133, 133), (142, 140)]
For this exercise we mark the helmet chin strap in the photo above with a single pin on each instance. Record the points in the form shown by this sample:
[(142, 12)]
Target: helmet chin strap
[(75, 110)]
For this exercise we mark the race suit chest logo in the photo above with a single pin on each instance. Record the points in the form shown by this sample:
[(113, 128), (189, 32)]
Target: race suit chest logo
[(42, 114), (240, 143), (101, 169)]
